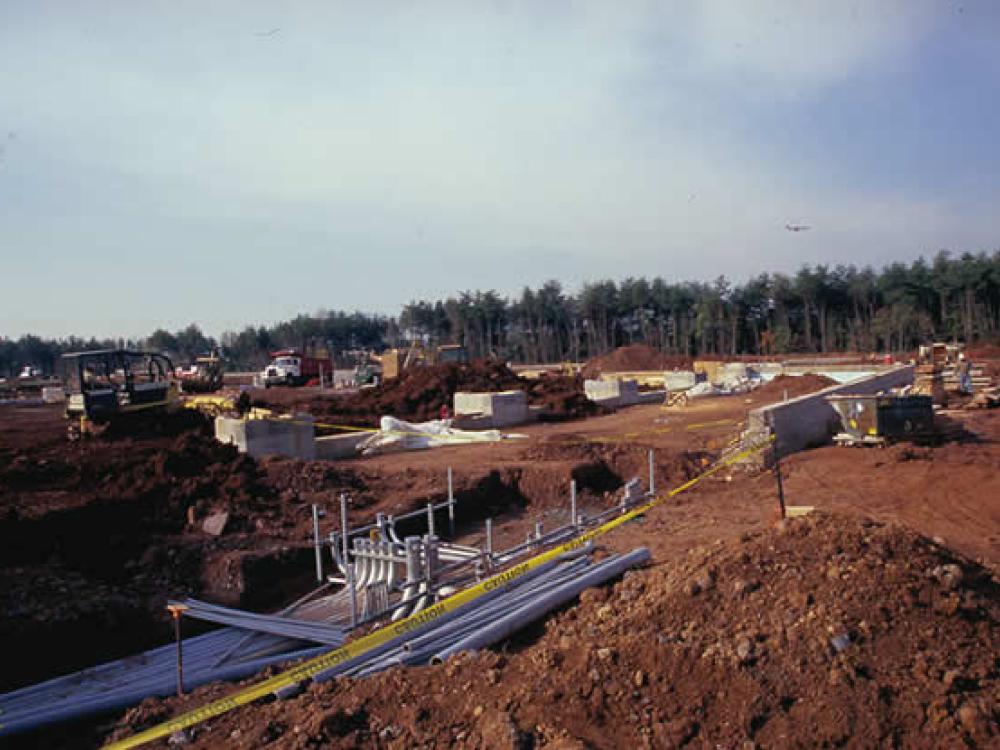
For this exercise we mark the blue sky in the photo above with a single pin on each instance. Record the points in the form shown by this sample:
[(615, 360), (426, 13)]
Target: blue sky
[(170, 162)]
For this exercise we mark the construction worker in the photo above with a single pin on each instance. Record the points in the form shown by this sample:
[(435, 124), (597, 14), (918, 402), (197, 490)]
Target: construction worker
[(964, 374)]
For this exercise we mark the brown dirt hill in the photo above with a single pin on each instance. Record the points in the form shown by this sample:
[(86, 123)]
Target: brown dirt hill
[(419, 393), (634, 357), (824, 631), (793, 385)]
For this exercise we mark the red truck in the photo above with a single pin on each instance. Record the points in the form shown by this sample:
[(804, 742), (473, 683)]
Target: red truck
[(292, 367)]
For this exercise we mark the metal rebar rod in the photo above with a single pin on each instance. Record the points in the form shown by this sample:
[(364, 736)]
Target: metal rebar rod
[(392, 518), (430, 519), (180, 654), (516, 619), (348, 567), (451, 505), (652, 472), (572, 504), (317, 544)]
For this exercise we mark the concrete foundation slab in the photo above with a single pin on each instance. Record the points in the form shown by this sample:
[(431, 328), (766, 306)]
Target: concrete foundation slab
[(295, 437), (612, 393), (500, 409), (332, 447), (679, 380)]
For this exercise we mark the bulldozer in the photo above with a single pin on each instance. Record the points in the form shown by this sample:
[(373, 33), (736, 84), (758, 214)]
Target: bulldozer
[(113, 385)]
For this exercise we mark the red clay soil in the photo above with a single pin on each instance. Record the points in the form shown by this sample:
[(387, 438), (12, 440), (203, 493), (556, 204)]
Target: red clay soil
[(94, 536), (824, 631), (634, 357), (792, 386), (419, 393), (983, 351), (108, 517)]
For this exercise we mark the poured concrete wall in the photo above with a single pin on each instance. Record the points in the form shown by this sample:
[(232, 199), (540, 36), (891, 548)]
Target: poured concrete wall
[(810, 420), (612, 393), (269, 437), (339, 446), (679, 380), (499, 409)]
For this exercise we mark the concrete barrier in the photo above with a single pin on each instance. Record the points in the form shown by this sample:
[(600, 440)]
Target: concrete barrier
[(809, 420), (612, 393), (500, 409), (331, 447), (679, 380), (295, 438)]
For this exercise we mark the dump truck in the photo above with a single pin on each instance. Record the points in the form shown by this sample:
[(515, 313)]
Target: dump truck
[(292, 367)]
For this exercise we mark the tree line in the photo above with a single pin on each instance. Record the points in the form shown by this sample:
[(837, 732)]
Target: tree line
[(821, 308)]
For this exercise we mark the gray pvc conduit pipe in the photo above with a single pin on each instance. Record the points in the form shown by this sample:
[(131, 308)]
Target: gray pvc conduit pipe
[(406, 635), (530, 612), (516, 595), (413, 574), (418, 650)]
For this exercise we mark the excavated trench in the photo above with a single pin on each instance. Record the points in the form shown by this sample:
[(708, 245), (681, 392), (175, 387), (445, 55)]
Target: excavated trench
[(88, 582)]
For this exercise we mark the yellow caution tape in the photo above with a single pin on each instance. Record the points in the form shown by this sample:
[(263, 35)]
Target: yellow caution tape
[(714, 423), (380, 637), (793, 511)]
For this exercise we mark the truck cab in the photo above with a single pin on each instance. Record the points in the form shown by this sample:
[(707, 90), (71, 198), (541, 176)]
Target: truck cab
[(282, 371)]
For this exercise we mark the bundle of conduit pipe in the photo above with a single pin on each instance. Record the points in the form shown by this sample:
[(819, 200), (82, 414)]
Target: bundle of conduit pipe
[(250, 642)]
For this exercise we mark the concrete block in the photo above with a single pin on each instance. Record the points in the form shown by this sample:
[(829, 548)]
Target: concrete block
[(646, 378), (294, 437), (53, 395), (731, 372), (810, 420), (679, 380), (651, 397), (503, 408), (332, 447), (612, 393)]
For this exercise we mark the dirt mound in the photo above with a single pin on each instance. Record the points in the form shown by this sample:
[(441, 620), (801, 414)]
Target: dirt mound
[(94, 535), (419, 394), (634, 357), (825, 631), (563, 398), (792, 385), (983, 351), (167, 474)]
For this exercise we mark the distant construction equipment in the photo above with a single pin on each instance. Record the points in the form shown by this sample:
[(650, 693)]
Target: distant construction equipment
[(110, 385), (395, 361)]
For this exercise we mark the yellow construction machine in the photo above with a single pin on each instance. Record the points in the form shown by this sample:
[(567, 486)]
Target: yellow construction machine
[(396, 361)]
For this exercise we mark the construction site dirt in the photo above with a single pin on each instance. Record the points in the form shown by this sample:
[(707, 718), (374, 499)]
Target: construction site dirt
[(96, 536), (421, 393)]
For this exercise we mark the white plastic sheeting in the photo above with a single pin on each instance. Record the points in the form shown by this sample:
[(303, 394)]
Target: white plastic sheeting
[(397, 435)]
